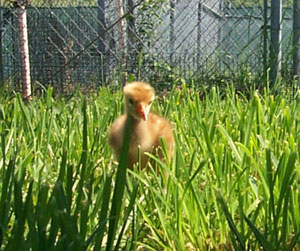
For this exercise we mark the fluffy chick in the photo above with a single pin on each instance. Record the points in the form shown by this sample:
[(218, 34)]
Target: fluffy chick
[(147, 128)]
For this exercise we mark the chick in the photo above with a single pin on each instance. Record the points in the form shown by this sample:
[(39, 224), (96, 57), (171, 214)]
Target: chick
[(147, 128)]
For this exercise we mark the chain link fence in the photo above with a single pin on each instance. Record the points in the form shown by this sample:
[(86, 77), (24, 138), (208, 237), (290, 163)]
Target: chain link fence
[(74, 42)]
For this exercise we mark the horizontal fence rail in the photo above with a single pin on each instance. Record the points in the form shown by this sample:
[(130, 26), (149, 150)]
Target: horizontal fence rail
[(201, 39)]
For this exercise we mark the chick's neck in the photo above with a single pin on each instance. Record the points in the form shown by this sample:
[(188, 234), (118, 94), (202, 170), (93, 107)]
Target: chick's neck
[(135, 121)]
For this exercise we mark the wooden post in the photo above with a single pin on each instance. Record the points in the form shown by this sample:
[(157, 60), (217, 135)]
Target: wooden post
[(296, 41), (24, 50), (276, 39), (122, 39)]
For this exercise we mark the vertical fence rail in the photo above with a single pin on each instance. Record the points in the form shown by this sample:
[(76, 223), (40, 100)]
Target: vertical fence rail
[(121, 38), (265, 37), (276, 39), (199, 33), (296, 41), (101, 43), (220, 27), (172, 31), (131, 34), (1, 31)]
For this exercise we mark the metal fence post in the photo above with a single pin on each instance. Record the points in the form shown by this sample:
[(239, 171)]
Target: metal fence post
[(101, 44), (276, 39), (219, 35), (296, 41), (199, 34), (172, 31), (1, 30), (265, 37)]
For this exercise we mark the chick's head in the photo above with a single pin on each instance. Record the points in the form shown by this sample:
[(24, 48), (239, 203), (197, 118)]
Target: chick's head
[(138, 99)]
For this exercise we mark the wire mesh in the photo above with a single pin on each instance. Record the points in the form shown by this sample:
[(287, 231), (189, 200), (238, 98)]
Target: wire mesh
[(201, 39)]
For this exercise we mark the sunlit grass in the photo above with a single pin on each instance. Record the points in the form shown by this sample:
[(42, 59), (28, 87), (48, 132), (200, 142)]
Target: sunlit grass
[(233, 182)]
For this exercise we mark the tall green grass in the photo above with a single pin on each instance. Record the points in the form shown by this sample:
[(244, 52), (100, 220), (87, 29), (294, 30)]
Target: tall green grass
[(232, 184)]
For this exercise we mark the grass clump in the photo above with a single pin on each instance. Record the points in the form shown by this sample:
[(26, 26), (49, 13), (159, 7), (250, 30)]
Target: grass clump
[(233, 182)]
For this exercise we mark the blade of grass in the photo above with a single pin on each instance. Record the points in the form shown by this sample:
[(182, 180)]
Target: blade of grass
[(286, 182), (286, 179), (230, 142), (83, 159), (103, 213), (232, 226), (6, 197), (17, 238), (42, 211), (129, 209), (293, 242), (259, 236), (119, 187), (7, 182), (25, 115), (283, 240), (187, 186), (68, 224)]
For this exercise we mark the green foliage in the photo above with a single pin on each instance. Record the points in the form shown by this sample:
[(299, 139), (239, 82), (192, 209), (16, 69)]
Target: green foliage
[(232, 184)]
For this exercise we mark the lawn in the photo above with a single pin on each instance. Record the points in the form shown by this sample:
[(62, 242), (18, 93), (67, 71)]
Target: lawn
[(233, 182)]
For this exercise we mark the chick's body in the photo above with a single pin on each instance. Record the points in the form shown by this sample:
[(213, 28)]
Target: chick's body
[(146, 129)]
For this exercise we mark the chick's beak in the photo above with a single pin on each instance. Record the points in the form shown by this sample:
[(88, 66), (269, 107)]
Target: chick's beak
[(142, 112)]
